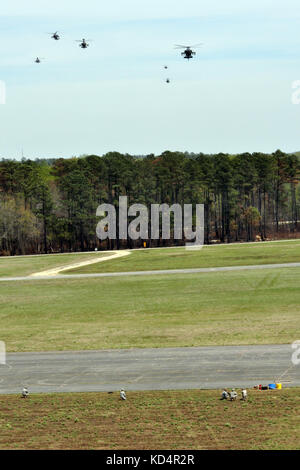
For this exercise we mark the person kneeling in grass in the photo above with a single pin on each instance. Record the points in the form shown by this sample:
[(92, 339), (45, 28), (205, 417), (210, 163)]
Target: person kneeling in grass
[(225, 395), (25, 392)]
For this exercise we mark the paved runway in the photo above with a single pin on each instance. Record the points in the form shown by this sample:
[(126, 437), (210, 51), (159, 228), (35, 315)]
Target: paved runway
[(149, 369)]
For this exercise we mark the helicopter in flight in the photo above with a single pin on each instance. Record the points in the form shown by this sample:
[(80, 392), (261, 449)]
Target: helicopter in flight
[(188, 53), (38, 60), (55, 36), (83, 43)]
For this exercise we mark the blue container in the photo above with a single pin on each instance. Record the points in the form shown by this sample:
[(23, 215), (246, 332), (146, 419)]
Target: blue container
[(272, 386)]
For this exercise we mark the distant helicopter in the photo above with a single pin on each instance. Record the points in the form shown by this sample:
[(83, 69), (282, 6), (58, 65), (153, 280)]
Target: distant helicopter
[(188, 53), (165, 66), (38, 60), (168, 80), (83, 43), (55, 36)]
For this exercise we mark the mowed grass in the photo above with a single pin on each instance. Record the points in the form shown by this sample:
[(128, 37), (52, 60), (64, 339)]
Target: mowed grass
[(12, 266), (209, 256), (162, 420), (161, 258), (220, 308)]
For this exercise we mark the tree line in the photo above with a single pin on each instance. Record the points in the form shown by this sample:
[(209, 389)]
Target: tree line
[(50, 205)]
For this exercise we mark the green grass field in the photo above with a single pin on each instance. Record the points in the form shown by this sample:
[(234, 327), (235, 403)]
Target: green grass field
[(217, 308), (222, 308), (208, 256), (25, 265), (191, 419), (164, 258)]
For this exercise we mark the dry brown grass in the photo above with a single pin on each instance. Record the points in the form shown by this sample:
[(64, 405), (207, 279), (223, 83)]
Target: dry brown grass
[(193, 419)]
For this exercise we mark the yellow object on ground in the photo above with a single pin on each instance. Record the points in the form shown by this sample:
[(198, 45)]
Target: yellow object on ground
[(279, 386)]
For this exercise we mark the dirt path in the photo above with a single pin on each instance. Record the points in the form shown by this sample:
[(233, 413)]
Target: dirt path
[(59, 269)]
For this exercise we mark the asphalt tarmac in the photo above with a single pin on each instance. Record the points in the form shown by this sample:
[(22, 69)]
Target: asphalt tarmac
[(149, 369)]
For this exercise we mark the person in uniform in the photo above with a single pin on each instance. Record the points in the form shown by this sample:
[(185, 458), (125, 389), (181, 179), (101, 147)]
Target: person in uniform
[(224, 395), (25, 392)]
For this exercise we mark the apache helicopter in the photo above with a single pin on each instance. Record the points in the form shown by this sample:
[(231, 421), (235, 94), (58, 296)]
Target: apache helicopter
[(188, 53), (55, 36), (38, 60), (83, 43)]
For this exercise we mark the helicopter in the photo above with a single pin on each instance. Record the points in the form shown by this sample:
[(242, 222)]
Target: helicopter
[(188, 53), (55, 36), (168, 80), (38, 60), (83, 43)]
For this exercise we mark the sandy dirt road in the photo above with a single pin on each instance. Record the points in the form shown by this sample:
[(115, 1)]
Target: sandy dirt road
[(55, 271)]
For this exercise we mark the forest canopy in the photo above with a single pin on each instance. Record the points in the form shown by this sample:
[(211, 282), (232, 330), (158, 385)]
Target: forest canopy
[(50, 205)]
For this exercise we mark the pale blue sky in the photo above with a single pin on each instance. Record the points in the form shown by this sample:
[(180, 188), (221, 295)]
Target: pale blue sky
[(234, 96)]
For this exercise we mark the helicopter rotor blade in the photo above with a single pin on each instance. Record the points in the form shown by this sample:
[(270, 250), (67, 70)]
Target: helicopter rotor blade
[(178, 46)]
